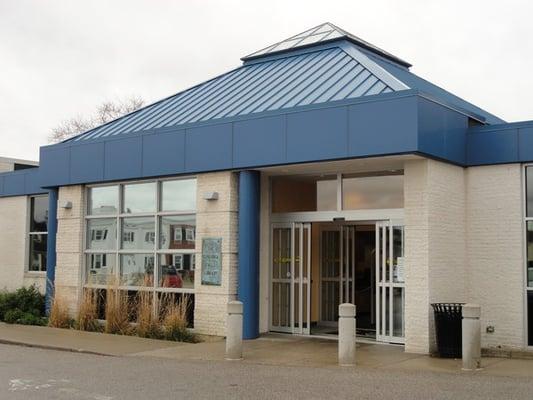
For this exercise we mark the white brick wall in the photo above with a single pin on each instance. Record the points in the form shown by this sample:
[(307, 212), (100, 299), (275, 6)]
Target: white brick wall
[(495, 253), (13, 245), (435, 245), (217, 218), (69, 246)]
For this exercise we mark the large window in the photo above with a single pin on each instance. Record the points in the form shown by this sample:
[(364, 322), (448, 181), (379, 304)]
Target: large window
[(529, 252), (142, 235), (38, 233), (299, 193)]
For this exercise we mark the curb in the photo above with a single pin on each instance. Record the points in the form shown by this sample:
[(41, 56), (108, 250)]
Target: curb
[(56, 348)]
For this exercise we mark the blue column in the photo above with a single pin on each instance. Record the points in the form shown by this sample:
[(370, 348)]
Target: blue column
[(51, 247), (248, 290)]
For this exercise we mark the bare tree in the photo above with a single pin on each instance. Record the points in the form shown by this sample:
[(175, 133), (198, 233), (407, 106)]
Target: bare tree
[(105, 112)]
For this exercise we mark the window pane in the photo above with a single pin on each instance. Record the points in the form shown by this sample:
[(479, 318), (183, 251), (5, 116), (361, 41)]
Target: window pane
[(178, 195), (138, 233), (177, 232), (103, 200), (101, 268), (39, 214), (176, 270), (102, 234), (37, 252), (529, 191), (372, 192), (530, 317), (137, 269), (529, 239), (139, 197), (304, 193)]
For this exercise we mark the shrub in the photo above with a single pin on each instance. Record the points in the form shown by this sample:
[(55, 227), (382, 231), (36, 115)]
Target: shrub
[(87, 318), (148, 324), (30, 319), (59, 316), (11, 316), (175, 322), (27, 300)]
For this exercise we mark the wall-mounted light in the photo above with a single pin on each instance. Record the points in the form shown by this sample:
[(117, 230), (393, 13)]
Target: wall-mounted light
[(67, 205), (210, 195)]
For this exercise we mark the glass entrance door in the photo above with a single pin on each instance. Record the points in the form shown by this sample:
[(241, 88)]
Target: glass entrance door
[(390, 282), (291, 278), (337, 271)]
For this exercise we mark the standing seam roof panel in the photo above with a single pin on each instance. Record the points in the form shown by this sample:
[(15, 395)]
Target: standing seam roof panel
[(288, 82)]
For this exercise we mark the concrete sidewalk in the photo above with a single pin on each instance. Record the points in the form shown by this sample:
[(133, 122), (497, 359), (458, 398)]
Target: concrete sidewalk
[(272, 349)]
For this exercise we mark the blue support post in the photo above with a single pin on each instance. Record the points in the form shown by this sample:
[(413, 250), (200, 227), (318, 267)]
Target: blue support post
[(51, 248), (248, 290)]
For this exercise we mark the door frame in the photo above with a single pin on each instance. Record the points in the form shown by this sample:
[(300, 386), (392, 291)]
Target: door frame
[(395, 217), (295, 282), (386, 254)]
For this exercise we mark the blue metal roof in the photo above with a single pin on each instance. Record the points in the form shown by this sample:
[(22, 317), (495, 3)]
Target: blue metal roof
[(282, 79), (313, 77)]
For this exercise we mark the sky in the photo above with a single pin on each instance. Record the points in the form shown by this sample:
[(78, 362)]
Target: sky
[(60, 59)]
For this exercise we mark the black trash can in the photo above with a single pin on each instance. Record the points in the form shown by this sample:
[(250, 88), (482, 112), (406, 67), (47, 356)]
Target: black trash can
[(448, 317)]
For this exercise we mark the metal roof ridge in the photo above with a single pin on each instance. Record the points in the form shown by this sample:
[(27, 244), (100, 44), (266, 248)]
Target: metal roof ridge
[(376, 69)]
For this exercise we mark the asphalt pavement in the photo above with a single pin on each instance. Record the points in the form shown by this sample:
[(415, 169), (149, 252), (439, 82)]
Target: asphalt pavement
[(33, 373)]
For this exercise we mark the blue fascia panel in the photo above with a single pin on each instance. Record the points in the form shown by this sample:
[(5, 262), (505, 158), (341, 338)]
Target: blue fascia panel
[(33, 181), (123, 159), (317, 135), (164, 153), (86, 163), (259, 142), (14, 184), (387, 127), (54, 164), (441, 131), (525, 143), (21, 183), (492, 147), (209, 148)]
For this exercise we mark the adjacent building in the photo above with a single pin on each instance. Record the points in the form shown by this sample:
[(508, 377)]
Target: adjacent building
[(320, 171)]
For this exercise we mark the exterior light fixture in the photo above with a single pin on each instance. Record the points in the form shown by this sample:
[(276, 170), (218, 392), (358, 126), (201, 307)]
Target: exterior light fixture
[(67, 205), (210, 196)]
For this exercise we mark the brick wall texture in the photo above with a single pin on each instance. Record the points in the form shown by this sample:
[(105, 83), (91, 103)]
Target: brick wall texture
[(463, 232)]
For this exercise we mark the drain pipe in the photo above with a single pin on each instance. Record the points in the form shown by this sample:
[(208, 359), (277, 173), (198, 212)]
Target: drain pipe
[(51, 248)]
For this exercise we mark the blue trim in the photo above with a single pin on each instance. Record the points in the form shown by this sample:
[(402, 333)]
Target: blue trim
[(51, 248), (248, 285)]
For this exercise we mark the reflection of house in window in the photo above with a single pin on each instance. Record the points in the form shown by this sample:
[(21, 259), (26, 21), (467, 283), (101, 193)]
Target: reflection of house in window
[(177, 260), (99, 234), (182, 262), (98, 261), (183, 236), (149, 263), (149, 237), (128, 236)]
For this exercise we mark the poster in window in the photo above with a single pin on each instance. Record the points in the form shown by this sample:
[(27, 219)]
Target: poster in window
[(212, 261)]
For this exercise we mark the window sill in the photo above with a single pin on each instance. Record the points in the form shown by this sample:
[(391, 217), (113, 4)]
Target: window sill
[(35, 274)]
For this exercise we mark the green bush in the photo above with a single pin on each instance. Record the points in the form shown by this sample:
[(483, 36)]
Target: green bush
[(24, 306)]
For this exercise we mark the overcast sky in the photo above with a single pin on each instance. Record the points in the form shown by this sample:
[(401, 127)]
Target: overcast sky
[(59, 59)]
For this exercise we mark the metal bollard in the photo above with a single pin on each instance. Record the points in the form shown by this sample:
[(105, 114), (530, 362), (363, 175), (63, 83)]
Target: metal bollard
[(234, 331), (471, 328), (346, 334)]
